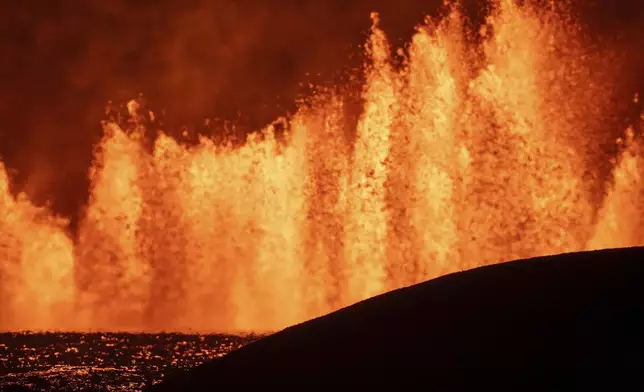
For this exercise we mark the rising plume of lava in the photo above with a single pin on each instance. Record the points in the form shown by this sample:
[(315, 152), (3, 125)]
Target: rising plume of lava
[(468, 154)]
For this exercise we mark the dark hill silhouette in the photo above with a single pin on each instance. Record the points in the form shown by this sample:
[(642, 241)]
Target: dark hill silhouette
[(572, 310)]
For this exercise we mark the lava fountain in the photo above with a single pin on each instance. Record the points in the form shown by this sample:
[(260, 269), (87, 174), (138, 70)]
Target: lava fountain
[(474, 151), (37, 284)]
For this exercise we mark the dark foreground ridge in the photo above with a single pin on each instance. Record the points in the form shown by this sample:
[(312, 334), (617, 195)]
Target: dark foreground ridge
[(571, 310)]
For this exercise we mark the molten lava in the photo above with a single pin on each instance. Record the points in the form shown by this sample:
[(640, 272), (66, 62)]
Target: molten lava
[(467, 155)]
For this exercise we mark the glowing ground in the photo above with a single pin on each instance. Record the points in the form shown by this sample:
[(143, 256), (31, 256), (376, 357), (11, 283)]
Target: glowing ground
[(66, 362)]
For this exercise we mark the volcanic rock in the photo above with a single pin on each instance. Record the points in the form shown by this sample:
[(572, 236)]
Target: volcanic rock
[(572, 310)]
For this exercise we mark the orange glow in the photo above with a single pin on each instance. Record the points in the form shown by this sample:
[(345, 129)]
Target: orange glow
[(467, 155), (366, 225), (107, 245), (38, 289), (623, 200)]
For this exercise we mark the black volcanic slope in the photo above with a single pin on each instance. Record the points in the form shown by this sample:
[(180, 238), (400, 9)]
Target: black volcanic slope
[(572, 310)]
